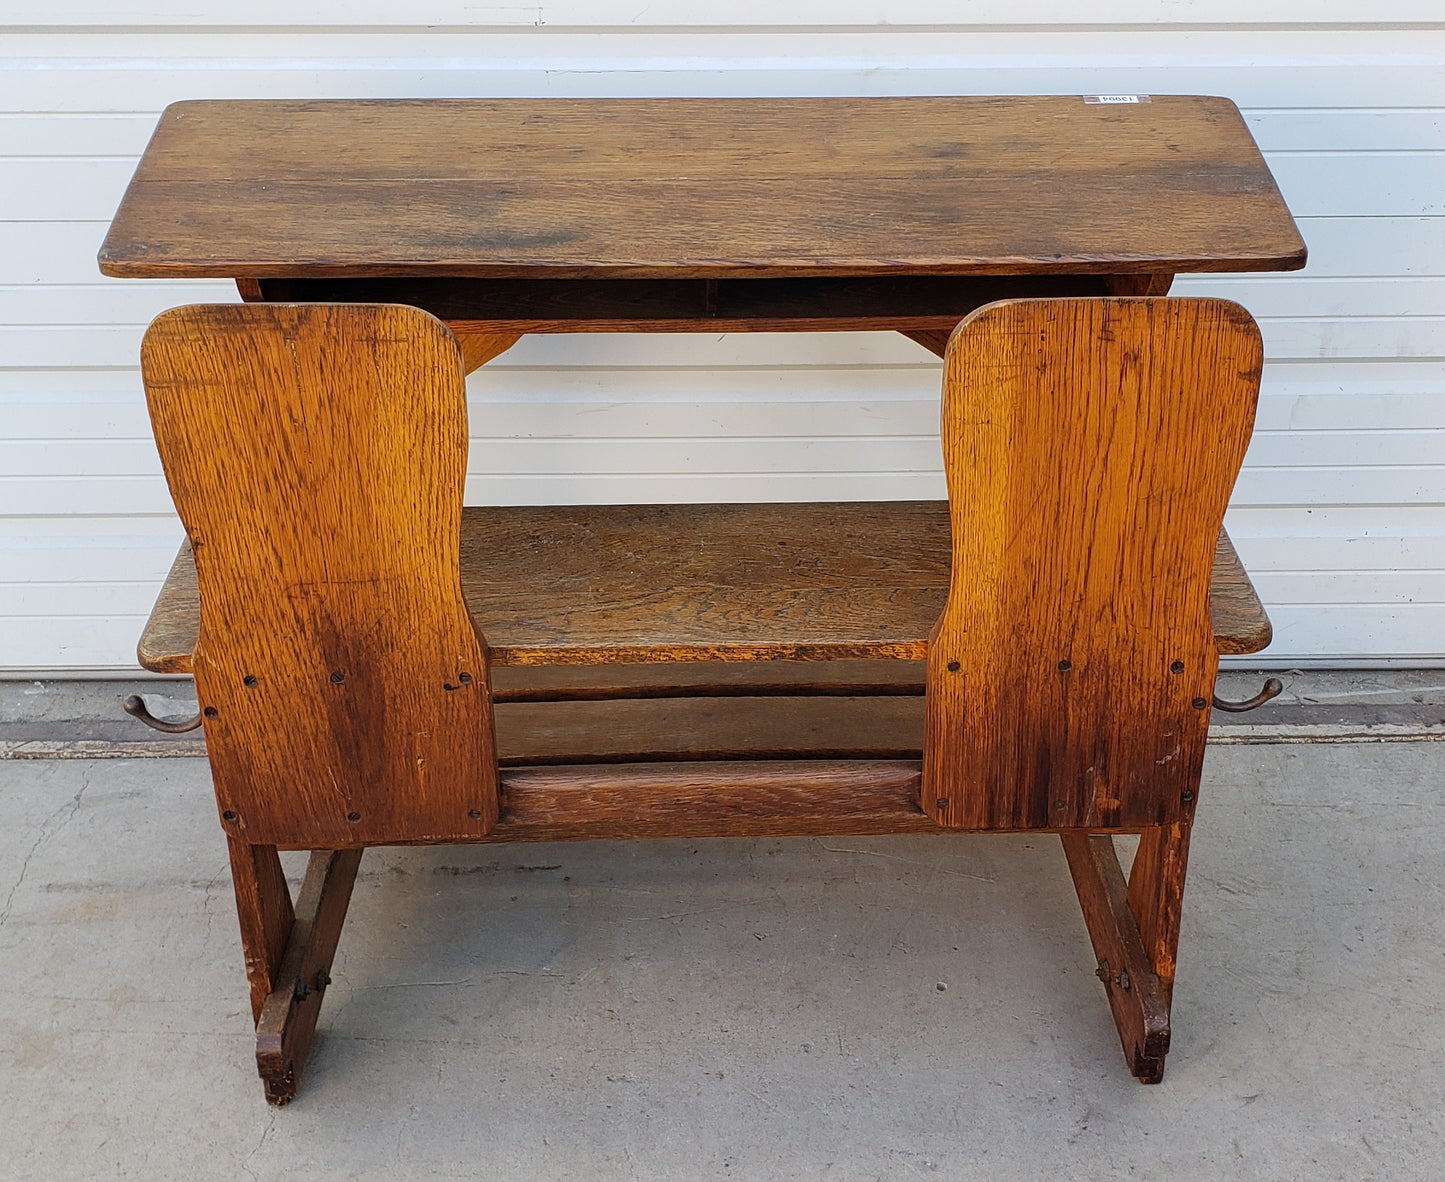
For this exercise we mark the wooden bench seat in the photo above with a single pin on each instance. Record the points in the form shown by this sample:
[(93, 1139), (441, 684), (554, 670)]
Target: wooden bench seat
[(701, 583)]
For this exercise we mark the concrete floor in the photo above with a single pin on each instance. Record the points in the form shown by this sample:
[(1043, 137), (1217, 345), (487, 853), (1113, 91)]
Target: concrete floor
[(802, 1008)]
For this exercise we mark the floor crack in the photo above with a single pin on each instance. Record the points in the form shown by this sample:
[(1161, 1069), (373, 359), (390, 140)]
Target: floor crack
[(48, 829), (265, 1133)]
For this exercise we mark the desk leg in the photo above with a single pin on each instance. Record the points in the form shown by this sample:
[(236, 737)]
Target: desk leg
[(1156, 895), (287, 1021), (263, 905), (1136, 996), (288, 952)]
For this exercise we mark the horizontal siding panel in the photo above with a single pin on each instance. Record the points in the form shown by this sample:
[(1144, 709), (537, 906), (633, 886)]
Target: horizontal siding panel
[(1354, 336), (1302, 295), (879, 457), (713, 420), (1364, 246), (91, 496), (565, 488), (1355, 413), (63, 423), (1336, 130), (1347, 450), (63, 190), (93, 552), (686, 13), (50, 252), (75, 135), (114, 301), (1395, 485), (1352, 631), (1355, 377), (1377, 184), (79, 457), (1352, 587), (1256, 67), (73, 642), (38, 600)]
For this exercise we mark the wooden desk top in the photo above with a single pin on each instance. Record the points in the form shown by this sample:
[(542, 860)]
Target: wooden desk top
[(700, 189)]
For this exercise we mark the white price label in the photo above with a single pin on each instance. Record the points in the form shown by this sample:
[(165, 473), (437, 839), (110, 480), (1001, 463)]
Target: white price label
[(1115, 99)]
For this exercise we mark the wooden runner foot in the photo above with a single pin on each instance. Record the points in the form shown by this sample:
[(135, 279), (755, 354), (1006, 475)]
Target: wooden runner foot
[(1136, 997), (288, 1016)]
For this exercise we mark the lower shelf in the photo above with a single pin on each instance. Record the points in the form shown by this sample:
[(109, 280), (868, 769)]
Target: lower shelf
[(588, 585)]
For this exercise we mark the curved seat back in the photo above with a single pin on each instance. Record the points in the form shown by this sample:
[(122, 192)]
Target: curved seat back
[(1090, 446), (344, 687)]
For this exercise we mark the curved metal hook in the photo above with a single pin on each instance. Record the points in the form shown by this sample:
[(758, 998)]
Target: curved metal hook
[(1272, 689), (135, 706)]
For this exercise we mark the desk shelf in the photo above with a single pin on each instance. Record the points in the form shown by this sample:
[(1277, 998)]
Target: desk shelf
[(636, 585)]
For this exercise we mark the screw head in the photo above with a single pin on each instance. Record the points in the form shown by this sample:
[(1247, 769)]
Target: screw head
[(249, 681), (954, 666), (353, 817), (229, 815), (1176, 667), (1065, 666), (475, 814), (1199, 703), (338, 677), (211, 712)]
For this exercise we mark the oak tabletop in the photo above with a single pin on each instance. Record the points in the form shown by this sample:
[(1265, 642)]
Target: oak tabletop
[(700, 188)]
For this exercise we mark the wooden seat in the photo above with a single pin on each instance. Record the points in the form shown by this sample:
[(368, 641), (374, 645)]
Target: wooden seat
[(618, 583), (377, 665)]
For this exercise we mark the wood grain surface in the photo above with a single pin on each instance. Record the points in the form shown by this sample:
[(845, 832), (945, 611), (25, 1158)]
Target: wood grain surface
[(1156, 896), (629, 730), (709, 188), (1090, 448), (620, 584), (738, 799), (316, 456), (265, 912)]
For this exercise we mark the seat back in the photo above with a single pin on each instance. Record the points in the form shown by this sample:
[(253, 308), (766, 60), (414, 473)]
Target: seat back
[(1090, 446), (316, 454)]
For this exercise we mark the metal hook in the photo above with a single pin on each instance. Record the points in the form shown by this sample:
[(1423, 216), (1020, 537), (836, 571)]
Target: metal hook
[(1272, 688), (135, 706)]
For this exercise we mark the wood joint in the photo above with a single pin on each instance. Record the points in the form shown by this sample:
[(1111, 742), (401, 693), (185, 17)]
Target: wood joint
[(1136, 996), (288, 1017)]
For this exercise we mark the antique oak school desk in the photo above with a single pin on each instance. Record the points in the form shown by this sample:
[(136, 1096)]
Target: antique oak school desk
[(377, 664)]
